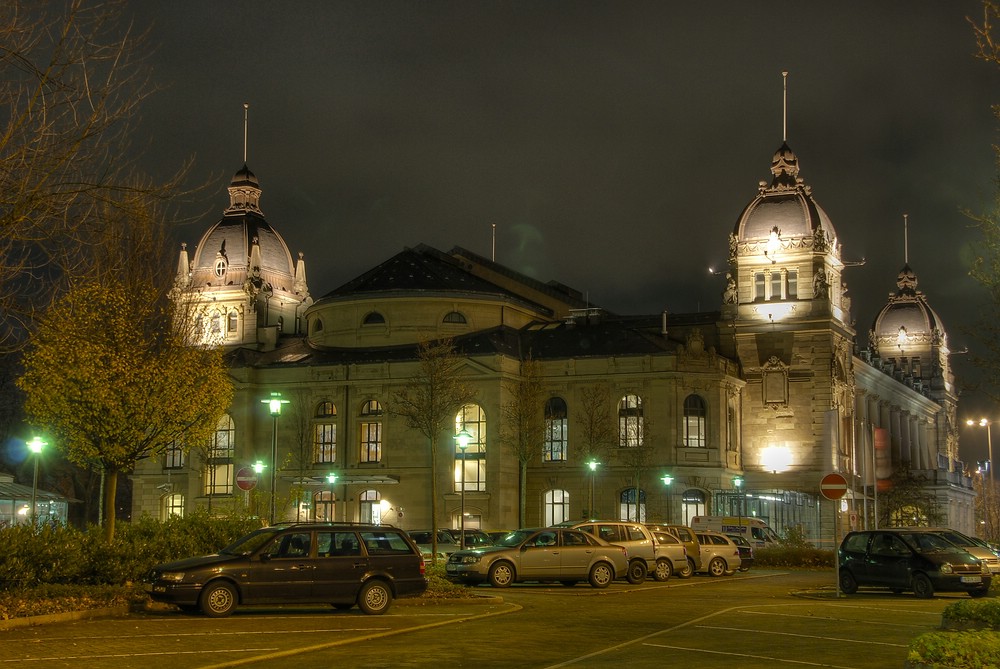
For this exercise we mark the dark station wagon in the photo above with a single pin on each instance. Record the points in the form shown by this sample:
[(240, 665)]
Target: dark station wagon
[(909, 559), (331, 563)]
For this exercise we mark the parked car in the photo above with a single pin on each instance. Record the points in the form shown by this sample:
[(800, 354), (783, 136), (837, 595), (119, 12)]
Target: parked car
[(496, 535), (671, 556), (542, 554), (969, 545), (691, 544), (339, 564), (719, 555), (746, 551), (473, 538), (909, 559), (635, 537), (446, 544)]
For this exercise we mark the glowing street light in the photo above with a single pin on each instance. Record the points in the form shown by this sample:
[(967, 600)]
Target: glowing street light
[(667, 480), (738, 484), (593, 464), (35, 446), (462, 439), (331, 479), (274, 408)]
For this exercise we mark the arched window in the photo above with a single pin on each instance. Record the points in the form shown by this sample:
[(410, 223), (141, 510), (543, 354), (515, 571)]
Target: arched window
[(692, 504), (556, 503), (234, 321), (171, 505), (556, 431), (453, 317), (373, 318), (317, 325), (370, 431), (219, 464), (628, 510), (371, 507), (324, 506), (630, 421), (694, 422), (472, 463), (325, 433)]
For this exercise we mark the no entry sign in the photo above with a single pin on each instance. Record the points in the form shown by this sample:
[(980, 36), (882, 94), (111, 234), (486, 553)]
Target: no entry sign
[(833, 486), (246, 479)]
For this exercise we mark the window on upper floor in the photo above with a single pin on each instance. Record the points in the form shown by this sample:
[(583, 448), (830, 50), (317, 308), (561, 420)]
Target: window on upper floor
[(470, 464), (234, 321), (373, 318), (325, 433), (370, 432), (556, 431), (630, 421), (453, 317), (694, 422)]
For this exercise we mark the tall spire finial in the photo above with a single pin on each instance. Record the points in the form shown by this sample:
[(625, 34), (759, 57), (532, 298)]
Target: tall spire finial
[(494, 243), (246, 121), (906, 239), (784, 106)]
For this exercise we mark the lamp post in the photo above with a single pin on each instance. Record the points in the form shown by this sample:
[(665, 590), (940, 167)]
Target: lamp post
[(592, 463), (738, 484), (274, 403), (462, 439), (984, 422), (331, 478), (667, 480), (35, 446)]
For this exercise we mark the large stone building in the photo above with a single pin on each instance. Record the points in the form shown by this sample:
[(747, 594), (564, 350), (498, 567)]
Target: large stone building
[(663, 417)]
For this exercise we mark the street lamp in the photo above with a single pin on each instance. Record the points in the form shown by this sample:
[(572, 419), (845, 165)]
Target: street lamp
[(331, 478), (462, 439), (274, 403), (738, 484), (35, 446), (593, 474), (984, 422), (667, 480)]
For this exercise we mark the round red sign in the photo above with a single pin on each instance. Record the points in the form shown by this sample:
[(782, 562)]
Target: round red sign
[(833, 486), (246, 479)]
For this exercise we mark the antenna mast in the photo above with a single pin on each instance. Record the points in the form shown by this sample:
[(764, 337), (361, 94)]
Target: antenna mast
[(784, 106), (246, 121), (906, 239), (494, 247)]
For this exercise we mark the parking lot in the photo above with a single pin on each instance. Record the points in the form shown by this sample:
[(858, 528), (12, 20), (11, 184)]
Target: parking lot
[(757, 619)]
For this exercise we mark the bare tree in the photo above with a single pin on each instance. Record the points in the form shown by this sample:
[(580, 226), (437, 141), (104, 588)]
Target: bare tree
[(598, 430), (429, 402), (522, 427)]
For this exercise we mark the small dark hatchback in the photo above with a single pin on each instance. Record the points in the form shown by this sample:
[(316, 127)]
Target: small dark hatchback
[(909, 559), (332, 563)]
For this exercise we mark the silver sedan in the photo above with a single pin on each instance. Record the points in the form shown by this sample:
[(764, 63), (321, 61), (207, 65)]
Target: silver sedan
[(543, 554)]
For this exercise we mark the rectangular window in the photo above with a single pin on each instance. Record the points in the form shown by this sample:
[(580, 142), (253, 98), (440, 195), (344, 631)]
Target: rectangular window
[(554, 449), (219, 479), (630, 431), (759, 287), (324, 443), (694, 431), (371, 442), (174, 457), (775, 285), (793, 284)]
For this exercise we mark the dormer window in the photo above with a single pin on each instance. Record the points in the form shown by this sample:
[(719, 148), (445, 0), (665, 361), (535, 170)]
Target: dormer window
[(454, 317), (373, 318), (220, 267)]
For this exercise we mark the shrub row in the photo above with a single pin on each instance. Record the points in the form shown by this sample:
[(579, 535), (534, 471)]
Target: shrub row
[(63, 555)]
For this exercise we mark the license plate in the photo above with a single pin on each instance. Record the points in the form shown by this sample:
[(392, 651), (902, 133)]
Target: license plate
[(972, 579), (450, 568)]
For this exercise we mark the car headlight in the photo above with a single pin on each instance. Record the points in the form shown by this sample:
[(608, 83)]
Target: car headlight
[(946, 568), (470, 559), (984, 566), (175, 576)]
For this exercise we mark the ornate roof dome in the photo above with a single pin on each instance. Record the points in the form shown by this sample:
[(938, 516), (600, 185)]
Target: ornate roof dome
[(223, 256), (907, 319), (786, 204)]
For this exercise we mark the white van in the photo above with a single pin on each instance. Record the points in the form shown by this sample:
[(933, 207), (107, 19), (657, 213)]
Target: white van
[(754, 530)]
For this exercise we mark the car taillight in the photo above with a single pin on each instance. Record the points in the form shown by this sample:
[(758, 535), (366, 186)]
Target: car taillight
[(423, 567)]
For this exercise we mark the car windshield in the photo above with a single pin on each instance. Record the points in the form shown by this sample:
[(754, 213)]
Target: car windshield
[(926, 542), (515, 538), (251, 542)]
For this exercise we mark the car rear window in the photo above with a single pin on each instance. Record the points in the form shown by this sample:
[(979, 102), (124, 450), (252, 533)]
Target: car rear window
[(385, 543)]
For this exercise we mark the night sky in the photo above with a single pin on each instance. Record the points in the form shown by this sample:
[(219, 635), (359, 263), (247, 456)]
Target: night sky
[(613, 144)]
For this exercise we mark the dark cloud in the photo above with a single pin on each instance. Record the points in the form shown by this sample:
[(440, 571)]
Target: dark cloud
[(613, 144)]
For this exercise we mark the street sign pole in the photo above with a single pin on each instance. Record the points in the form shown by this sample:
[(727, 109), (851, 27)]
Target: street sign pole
[(833, 486)]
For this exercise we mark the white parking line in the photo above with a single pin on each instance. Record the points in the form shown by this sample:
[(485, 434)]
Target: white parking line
[(838, 620), (65, 658), (802, 636), (748, 655)]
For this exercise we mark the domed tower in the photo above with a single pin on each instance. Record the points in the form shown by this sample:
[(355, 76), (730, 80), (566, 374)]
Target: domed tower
[(241, 286), (788, 318), (908, 341)]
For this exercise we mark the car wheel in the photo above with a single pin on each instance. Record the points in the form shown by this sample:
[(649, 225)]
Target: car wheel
[(218, 599), (922, 586), (501, 574), (664, 570), (688, 570), (848, 584), (375, 597), (981, 592), (601, 575), (636, 572), (717, 567), (568, 584), (746, 568)]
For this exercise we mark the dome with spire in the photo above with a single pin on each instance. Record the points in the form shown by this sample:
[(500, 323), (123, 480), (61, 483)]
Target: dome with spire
[(223, 256), (907, 320), (786, 206)]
